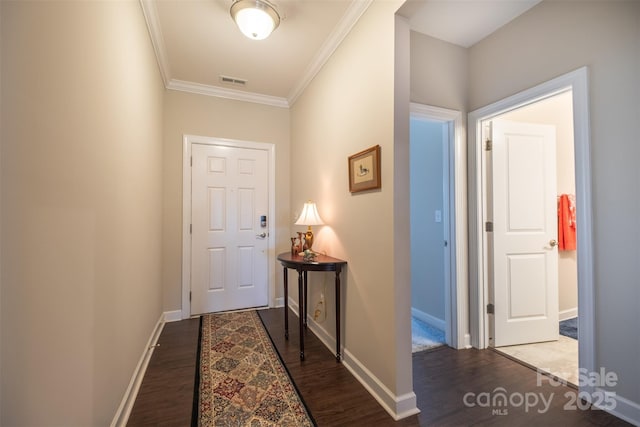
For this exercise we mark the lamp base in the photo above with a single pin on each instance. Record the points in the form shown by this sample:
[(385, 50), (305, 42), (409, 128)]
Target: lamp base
[(308, 239)]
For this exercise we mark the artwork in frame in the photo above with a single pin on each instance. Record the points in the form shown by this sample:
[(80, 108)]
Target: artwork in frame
[(364, 170)]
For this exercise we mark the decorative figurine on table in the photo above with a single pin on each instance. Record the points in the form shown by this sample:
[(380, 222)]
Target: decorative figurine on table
[(296, 245), (304, 244), (308, 255)]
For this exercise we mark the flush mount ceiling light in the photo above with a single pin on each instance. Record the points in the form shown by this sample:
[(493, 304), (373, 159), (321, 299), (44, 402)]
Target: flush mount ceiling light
[(255, 18)]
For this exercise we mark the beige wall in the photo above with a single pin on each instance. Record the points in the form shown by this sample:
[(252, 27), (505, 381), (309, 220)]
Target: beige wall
[(349, 107), (1, 179), (604, 36), (439, 73), (81, 196), (191, 114), (558, 111)]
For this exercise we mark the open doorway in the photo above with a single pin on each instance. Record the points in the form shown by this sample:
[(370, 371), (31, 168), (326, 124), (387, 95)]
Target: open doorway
[(482, 313), (556, 353), (446, 218)]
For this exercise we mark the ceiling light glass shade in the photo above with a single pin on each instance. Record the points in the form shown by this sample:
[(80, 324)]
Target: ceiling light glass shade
[(255, 18), (309, 215)]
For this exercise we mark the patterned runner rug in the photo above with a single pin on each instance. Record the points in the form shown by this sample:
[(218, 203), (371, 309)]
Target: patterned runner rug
[(242, 379)]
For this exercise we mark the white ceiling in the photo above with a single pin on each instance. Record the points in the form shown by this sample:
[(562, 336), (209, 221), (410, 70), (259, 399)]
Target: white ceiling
[(197, 42), (466, 22)]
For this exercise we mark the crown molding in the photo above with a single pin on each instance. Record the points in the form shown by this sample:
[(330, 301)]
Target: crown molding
[(355, 10), (150, 13), (221, 92), (350, 18)]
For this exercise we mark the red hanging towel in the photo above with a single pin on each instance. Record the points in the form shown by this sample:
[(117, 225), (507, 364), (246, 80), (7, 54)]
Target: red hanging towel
[(566, 223)]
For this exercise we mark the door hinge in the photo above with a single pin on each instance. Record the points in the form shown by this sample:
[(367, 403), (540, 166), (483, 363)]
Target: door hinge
[(191, 161), (189, 296), (491, 309), (488, 145), (488, 226), (190, 228)]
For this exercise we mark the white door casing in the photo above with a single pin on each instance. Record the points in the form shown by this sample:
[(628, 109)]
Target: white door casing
[(578, 82), (525, 258), (266, 245)]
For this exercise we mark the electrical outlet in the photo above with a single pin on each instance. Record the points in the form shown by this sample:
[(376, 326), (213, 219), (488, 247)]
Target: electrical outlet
[(319, 308), (438, 216)]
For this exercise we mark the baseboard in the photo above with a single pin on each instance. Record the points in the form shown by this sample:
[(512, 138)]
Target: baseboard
[(173, 316), (398, 407), (625, 409), (279, 302), (568, 314), (467, 341), (429, 319), (124, 410)]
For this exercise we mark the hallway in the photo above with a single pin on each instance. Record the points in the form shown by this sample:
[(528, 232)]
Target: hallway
[(449, 384)]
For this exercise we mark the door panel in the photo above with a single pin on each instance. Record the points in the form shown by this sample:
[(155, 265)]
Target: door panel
[(229, 267), (525, 265)]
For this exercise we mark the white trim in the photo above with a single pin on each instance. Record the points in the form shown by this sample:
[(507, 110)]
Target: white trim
[(457, 294), (150, 13), (355, 10), (568, 314), (126, 405), (624, 408), (188, 141), (221, 92), (429, 319), (397, 406), (279, 302), (577, 81), (172, 316)]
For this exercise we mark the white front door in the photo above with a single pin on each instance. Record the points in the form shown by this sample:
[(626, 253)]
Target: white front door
[(229, 197), (525, 263)]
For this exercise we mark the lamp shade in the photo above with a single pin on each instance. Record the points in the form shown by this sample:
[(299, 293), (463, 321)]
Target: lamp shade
[(256, 19), (309, 215)]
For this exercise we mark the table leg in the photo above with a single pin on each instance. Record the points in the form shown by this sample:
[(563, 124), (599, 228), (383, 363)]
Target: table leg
[(286, 304), (337, 315), (306, 299), (300, 312)]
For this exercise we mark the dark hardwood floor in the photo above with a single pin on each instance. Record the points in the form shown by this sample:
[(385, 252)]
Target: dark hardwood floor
[(444, 379), (165, 397)]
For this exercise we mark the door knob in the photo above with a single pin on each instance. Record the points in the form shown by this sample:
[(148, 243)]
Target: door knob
[(553, 243), (261, 235)]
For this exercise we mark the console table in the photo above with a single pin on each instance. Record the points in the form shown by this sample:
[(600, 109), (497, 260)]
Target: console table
[(321, 263)]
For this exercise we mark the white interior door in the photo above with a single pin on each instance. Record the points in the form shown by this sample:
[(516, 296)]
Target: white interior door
[(229, 260), (525, 263)]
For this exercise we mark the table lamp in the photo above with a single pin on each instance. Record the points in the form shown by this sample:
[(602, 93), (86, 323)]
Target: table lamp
[(309, 217)]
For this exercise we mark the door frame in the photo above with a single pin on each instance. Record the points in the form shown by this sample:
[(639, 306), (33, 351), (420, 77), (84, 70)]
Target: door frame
[(187, 142), (456, 273), (577, 82)]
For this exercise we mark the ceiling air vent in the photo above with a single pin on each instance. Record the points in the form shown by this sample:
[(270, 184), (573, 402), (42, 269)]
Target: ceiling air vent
[(233, 80)]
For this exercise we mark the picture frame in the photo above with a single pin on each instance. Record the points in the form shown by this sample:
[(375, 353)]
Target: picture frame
[(364, 170)]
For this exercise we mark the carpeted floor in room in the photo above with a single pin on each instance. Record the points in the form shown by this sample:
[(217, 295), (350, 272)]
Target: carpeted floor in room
[(424, 336)]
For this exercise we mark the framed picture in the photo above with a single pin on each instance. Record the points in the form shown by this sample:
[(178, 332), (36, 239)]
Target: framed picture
[(364, 170)]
